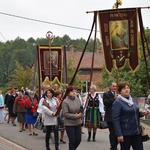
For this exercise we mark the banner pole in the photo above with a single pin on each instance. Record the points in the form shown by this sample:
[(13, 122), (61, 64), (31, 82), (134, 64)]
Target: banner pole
[(50, 63), (117, 78), (50, 36), (146, 7)]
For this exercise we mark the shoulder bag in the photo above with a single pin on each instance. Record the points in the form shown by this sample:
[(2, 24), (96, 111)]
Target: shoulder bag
[(145, 136)]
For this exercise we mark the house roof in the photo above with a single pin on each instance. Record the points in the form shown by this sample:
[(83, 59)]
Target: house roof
[(87, 59)]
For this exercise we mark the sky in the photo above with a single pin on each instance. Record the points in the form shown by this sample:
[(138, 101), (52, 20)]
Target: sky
[(64, 12)]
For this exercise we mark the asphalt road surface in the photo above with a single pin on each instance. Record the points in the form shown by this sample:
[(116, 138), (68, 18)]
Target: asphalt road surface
[(12, 139)]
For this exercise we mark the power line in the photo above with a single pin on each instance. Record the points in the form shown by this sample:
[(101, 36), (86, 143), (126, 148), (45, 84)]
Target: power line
[(3, 36), (41, 21)]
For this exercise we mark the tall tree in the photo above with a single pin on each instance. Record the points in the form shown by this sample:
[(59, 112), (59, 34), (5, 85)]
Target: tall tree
[(21, 77)]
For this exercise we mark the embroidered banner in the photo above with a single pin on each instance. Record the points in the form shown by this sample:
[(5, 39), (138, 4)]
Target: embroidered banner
[(49, 56), (119, 36)]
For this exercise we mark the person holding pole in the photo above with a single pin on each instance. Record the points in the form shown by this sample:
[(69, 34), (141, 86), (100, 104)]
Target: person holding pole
[(72, 112), (49, 109)]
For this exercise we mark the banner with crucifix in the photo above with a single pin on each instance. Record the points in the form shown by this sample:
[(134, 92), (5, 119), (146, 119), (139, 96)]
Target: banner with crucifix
[(49, 62), (119, 36)]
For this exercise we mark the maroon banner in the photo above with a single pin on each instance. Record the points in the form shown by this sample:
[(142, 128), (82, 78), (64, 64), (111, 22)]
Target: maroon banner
[(50, 56), (119, 35)]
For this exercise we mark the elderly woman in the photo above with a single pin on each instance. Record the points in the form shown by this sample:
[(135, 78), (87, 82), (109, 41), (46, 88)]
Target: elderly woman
[(126, 116), (19, 109), (94, 112), (71, 108), (31, 105)]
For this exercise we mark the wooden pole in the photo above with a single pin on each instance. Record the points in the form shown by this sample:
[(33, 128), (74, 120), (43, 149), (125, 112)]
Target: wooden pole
[(146, 7), (50, 62), (50, 36), (117, 78)]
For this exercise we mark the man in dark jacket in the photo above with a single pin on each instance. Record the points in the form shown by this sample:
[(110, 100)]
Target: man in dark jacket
[(108, 99)]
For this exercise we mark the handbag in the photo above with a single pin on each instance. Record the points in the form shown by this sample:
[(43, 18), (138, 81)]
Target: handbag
[(103, 125), (35, 114), (44, 129), (39, 125), (145, 136), (60, 122)]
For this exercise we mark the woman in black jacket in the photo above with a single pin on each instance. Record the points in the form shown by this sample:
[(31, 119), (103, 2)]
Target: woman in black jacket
[(126, 116), (10, 104)]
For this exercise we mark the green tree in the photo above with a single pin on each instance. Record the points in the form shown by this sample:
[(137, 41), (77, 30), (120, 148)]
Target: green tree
[(22, 57), (5, 57), (138, 81), (70, 73), (21, 77)]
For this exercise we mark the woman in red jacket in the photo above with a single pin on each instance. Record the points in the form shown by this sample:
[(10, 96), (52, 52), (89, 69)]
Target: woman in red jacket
[(31, 106), (19, 109)]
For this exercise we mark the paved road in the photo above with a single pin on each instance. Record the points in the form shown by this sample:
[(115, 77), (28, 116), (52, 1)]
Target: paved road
[(22, 141)]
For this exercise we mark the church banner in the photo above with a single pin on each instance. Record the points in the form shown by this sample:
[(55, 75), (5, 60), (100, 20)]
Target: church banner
[(119, 36), (49, 62)]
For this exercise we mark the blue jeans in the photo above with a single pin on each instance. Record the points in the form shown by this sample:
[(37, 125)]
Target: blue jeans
[(74, 136)]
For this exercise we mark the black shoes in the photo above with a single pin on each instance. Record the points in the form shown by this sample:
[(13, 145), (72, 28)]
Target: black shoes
[(94, 140), (61, 141), (90, 139), (35, 134)]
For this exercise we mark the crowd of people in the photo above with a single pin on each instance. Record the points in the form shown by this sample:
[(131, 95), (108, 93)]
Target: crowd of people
[(117, 107)]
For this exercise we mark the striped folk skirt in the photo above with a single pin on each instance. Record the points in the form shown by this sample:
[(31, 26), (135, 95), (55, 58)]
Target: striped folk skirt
[(92, 117)]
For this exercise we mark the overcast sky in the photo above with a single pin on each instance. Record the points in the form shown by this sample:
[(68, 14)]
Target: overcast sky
[(65, 12)]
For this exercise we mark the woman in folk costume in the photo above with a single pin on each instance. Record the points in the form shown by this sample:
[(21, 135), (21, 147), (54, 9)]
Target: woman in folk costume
[(1, 107), (94, 112), (49, 109)]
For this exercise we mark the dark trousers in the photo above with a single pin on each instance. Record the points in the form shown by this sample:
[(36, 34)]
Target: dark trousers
[(134, 141), (48, 132), (74, 136), (112, 136)]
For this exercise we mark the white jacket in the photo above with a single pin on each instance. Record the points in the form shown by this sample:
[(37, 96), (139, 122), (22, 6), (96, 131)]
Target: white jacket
[(48, 118)]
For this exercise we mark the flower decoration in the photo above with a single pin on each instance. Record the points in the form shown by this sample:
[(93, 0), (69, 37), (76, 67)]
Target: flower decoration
[(117, 4)]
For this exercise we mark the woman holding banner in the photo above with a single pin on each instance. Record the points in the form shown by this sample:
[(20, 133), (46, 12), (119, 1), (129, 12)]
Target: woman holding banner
[(72, 112)]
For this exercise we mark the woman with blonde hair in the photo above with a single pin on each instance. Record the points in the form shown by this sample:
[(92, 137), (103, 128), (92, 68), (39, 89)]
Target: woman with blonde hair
[(94, 112)]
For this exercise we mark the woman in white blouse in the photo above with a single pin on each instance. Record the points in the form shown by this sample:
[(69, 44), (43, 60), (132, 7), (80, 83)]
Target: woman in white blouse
[(94, 112), (49, 109)]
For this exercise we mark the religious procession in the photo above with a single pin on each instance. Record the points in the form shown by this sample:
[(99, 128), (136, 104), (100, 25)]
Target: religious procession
[(71, 103)]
